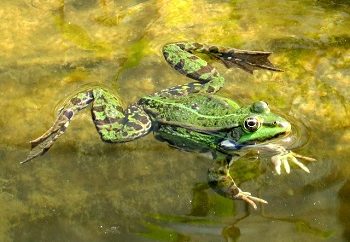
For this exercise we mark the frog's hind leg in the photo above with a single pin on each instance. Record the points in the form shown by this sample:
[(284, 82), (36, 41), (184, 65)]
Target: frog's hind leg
[(220, 180), (180, 56), (112, 122), (115, 125)]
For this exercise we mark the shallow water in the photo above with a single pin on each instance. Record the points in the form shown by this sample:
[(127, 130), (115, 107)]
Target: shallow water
[(87, 190)]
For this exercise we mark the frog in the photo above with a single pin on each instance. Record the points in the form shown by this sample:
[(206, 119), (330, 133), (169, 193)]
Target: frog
[(190, 117)]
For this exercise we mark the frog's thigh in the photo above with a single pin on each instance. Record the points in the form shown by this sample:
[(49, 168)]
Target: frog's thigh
[(113, 123), (183, 61)]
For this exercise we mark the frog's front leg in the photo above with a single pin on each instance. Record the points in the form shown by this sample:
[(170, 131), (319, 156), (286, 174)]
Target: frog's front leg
[(112, 122), (220, 180), (282, 156)]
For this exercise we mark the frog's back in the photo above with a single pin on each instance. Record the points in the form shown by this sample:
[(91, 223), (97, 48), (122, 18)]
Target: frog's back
[(196, 110)]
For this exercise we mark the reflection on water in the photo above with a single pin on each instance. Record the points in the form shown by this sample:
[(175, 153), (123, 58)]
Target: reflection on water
[(86, 190)]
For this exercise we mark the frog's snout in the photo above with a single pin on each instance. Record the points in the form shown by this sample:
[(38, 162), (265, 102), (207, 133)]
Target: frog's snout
[(284, 124)]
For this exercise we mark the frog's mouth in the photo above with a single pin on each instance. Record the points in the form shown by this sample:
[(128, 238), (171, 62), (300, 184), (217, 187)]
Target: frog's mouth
[(281, 135), (230, 145), (275, 137)]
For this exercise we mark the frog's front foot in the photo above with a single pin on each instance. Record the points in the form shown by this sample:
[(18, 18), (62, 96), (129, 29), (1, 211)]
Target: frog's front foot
[(289, 156)]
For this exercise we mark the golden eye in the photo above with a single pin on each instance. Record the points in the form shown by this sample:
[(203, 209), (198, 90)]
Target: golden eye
[(251, 124)]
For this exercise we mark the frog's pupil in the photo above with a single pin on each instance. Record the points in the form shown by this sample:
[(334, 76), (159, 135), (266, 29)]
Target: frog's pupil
[(251, 123)]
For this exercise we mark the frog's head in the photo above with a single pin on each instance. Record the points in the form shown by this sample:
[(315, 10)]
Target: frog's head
[(258, 124)]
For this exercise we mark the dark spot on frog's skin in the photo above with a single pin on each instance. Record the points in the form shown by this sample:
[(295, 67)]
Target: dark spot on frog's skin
[(165, 54), (211, 89), (75, 100), (179, 65), (216, 74), (133, 108), (69, 114), (191, 87), (204, 70), (198, 46), (213, 183), (99, 108), (222, 172), (195, 75), (181, 46), (145, 101), (106, 121), (63, 128), (176, 108), (193, 57), (174, 92), (195, 106), (231, 52), (213, 49), (142, 118), (135, 126), (125, 134)]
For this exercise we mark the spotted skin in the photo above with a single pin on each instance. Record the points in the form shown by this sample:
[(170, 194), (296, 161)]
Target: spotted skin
[(208, 80), (113, 123), (189, 116), (181, 59)]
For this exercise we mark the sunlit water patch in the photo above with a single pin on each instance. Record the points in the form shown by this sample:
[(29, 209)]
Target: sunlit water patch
[(86, 190)]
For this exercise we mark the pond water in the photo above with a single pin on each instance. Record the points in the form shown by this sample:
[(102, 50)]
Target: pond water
[(87, 190)]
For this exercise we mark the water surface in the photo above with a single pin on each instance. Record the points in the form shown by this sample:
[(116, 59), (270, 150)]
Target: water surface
[(87, 190)]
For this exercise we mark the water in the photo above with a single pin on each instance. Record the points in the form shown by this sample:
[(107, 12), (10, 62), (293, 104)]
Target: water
[(86, 190)]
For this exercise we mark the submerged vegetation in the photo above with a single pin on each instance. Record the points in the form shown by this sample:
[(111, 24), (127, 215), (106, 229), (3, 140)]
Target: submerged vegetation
[(86, 190)]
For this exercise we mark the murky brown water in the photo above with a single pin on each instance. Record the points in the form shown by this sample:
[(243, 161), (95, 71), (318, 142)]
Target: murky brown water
[(87, 190)]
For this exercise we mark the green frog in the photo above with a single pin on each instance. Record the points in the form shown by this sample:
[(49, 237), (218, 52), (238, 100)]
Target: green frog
[(190, 117)]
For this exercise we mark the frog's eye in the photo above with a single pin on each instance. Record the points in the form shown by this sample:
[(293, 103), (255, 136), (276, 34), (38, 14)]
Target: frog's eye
[(251, 124)]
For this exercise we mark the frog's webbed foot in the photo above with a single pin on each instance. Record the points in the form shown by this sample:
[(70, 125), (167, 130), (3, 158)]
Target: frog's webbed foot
[(289, 156), (42, 144), (221, 182), (247, 60)]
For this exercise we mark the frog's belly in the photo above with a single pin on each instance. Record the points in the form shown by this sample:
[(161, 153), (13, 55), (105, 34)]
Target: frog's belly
[(186, 139)]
